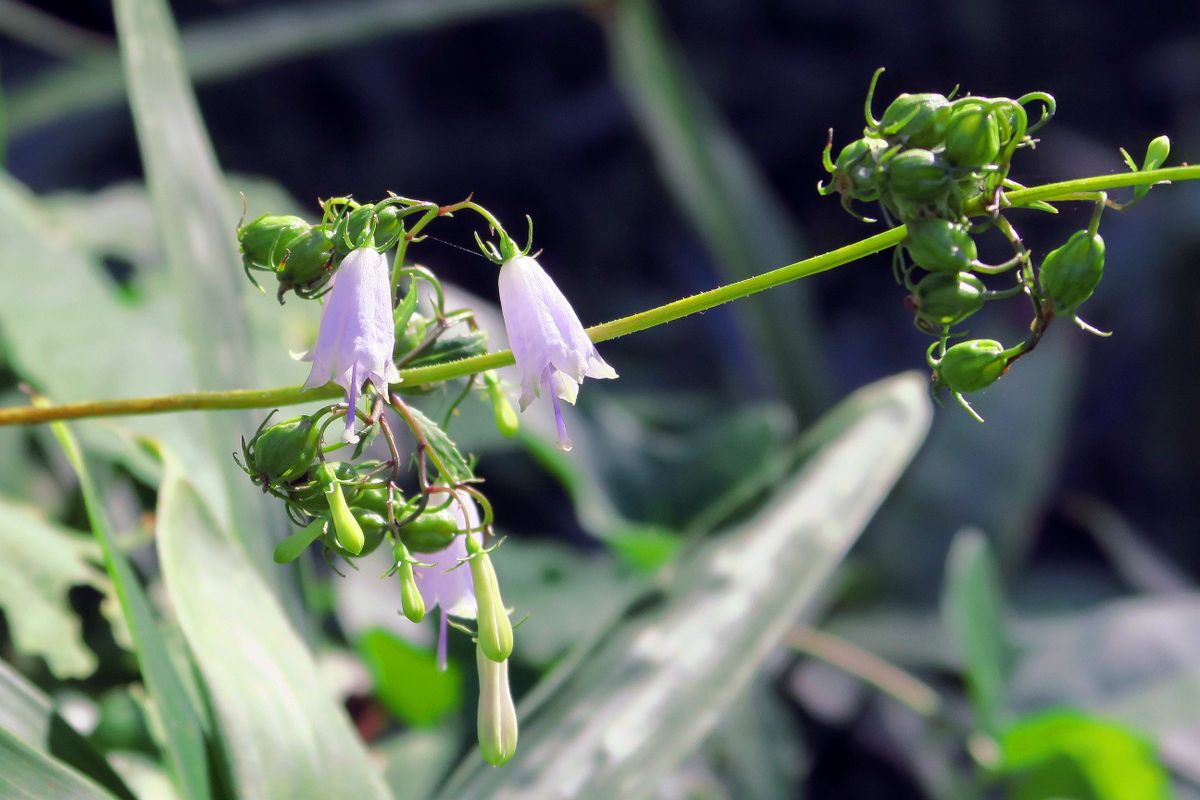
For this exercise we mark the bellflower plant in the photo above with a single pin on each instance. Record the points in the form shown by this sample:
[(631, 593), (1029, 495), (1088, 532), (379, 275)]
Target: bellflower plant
[(548, 342), (357, 334)]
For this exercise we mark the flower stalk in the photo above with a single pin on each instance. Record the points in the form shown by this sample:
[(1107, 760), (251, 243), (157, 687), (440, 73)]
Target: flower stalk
[(1082, 189)]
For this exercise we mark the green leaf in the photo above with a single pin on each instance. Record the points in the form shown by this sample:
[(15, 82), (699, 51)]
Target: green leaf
[(230, 46), (730, 204), (196, 226), (29, 715), (631, 706), (181, 723), (1069, 754), (42, 561), (29, 774), (407, 679), (973, 610), (445, 453), (282, 733), (415, 760), (644, 547)]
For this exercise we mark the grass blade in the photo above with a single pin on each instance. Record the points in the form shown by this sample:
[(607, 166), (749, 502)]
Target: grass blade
[(648, 691), (29, 715), (178, 718), (29, 774), (282, 733)]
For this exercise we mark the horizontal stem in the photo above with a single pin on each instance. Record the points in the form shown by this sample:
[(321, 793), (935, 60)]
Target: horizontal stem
[(418, 376)]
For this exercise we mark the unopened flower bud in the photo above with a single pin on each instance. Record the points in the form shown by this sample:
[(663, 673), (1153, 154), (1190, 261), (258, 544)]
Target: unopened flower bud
[(971, 366), (497, 720), (411, 601), (947, 298), (430, 532), (972, 136), (939, 245), (1069, 274), (347, 531), (284, 451), (915, 120), (265, 240), (495, 628), (507, 421), (918, 176)]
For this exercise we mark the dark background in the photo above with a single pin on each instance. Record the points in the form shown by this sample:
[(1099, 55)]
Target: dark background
[(524, 111)]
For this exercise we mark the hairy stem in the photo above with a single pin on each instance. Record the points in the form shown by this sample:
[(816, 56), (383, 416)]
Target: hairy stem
[(417, 376)]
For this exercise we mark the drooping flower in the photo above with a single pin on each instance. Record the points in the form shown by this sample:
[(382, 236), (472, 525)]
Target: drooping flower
[(447, 583), (549, 344), (357, 333)]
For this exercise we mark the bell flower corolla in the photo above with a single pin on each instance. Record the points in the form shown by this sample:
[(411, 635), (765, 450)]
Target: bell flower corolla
[(549, 344), (446, 582), (357, 333)]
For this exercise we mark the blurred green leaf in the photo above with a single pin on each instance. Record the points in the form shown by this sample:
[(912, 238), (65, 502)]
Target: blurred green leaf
[(407, 679), (42, 561), (730, 204), (233, 45), (30, 716), (973, 610), (1066, 754), (282, 733), (758, 749), (30, 774), (180, 722), (623, 713), (644, 547)]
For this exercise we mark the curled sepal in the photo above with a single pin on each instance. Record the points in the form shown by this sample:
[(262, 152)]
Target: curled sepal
[(497, 719), (411, 601), (494, 627), (293, 546), (347, 532)]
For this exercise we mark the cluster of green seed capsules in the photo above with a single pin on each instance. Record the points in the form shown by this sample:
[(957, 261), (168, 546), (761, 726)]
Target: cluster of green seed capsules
[(939, 166)]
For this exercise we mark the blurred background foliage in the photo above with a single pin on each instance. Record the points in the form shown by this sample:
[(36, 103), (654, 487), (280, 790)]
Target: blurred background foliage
[(1019, 619)]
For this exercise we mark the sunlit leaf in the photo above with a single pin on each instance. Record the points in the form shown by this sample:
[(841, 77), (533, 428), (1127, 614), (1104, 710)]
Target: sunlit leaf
[(973, 609), (282, 733), (30, 774), (30, 716), (182, 724), (42, 561), (1063, 754), (444, 450), (624, 712)]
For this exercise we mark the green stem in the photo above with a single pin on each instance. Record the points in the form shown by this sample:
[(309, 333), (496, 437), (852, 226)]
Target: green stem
[(416, 376)]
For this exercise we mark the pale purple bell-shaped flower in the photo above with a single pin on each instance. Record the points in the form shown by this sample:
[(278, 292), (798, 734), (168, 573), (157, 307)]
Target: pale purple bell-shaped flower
[(357, 334), (548, 342), (446, 583)]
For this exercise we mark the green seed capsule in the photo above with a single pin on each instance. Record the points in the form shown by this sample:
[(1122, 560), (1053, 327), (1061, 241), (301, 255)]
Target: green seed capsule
[(389, 223), (972, 137), (308, 261), (947, 298), (939, 245), (971, 366), (284, 451), (265, 240), (1070, 274), (916, 120), (430, 532), (358, 228), (857, 172), (495, 628), (918, 176)]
